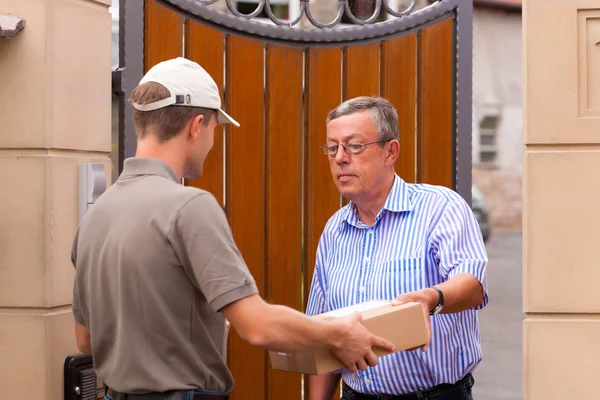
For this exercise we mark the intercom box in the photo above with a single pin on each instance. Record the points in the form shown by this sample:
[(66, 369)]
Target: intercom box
[(403, 325)]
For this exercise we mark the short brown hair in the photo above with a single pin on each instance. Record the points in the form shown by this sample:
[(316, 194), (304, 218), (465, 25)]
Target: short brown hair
[(166, 122)]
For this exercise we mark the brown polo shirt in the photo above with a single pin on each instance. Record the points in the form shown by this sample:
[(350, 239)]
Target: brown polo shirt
[(155, 262)]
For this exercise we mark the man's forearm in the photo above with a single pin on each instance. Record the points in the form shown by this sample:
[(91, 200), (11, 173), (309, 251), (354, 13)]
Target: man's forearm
[(461, 292), (285, 329), (323, 387), (280, 328)]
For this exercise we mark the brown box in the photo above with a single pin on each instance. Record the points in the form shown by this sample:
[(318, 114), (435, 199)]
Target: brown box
[(403, 325)]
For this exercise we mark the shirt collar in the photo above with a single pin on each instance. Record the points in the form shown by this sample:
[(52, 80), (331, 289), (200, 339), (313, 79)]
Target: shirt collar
[(397, 201), (139, 166)]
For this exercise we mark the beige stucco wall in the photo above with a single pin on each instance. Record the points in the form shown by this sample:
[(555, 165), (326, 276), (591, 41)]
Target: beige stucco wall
[(55, 114), (561, 188)]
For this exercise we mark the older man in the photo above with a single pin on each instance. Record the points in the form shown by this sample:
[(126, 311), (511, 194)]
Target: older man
[(400, 242)]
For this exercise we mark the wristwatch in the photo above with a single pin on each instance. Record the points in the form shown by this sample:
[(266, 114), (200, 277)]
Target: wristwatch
[(440, 305)]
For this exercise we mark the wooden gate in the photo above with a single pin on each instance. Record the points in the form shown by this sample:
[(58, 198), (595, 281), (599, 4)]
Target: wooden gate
[(279, 83)]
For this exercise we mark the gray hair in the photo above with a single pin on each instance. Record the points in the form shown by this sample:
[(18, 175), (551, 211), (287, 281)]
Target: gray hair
[(383, 114)]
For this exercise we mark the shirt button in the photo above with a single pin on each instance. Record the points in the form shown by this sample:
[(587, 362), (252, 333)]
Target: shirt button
[(368, 381), (362, 289), (367, 259)]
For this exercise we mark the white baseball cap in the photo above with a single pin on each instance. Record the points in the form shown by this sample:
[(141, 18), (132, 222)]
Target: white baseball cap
[(189, 84)]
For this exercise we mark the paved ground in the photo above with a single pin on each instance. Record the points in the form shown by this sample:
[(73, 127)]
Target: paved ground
[(499, 376)]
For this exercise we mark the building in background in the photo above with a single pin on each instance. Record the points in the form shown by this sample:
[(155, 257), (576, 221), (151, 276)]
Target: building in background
[(497, 109)]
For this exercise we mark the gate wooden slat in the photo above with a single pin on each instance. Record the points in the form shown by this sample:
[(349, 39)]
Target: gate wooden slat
[(361, 71), (398, 85), (436, 104), (322, 200), (163, 34), (284, 193), (203, 45), (245, 195)]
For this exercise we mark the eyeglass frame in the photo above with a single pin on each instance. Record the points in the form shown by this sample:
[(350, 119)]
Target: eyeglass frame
[(362, 147)]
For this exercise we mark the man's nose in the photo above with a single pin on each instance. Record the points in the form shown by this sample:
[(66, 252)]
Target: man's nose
[(341, 157)]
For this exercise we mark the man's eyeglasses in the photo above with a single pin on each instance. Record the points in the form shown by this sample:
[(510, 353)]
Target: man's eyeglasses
[(350, 148)]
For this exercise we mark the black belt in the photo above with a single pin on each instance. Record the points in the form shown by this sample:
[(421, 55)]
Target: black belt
[(172, 395), (423, 394)]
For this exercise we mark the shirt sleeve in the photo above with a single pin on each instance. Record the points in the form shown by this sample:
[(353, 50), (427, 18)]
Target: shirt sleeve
[(74, 249), (457, 244), (203, 242), (316, 299), (77, 306)]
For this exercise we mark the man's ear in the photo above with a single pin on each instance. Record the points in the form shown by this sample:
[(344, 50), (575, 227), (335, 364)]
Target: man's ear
[(195, 126), (393, 152)]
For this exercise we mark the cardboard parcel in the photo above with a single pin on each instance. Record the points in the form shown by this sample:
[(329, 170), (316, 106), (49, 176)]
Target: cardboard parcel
[(403, 325)]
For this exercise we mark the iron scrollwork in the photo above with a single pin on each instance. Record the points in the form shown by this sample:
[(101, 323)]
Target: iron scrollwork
[(343, 8), (353, 29)]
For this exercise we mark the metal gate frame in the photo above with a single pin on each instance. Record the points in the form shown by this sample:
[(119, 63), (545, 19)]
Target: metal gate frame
[(131, 64)]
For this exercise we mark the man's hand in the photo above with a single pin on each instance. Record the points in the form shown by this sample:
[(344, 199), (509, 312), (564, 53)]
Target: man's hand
[(355, 346), (428, 299)]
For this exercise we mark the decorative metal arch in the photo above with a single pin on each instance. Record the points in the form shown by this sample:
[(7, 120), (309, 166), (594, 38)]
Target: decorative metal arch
[(343, 7), (132, 44), (329, 33)]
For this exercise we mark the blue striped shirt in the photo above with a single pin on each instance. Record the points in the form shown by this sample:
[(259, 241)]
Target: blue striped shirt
[(423, 235)]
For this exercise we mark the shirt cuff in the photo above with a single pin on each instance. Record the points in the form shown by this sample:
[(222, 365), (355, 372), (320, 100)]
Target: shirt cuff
[(477, 269), (233, 295)]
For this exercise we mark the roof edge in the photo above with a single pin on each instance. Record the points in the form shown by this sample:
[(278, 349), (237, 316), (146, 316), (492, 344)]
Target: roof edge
[(499, 4)]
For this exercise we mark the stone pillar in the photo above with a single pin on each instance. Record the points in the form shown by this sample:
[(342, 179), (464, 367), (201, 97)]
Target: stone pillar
[(55, 113), (561, 335)]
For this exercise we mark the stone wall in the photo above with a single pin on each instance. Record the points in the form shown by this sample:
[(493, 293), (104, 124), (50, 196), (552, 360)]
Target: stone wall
[(561, 216), (55, 114)]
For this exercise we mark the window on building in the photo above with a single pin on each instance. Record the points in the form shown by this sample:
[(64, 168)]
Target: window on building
[(488, 150)]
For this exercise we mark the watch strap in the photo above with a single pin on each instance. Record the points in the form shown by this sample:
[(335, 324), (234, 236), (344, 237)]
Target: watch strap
[(438, 307)]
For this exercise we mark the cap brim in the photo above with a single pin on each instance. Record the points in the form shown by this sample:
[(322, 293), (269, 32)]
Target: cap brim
[(224, 118)]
